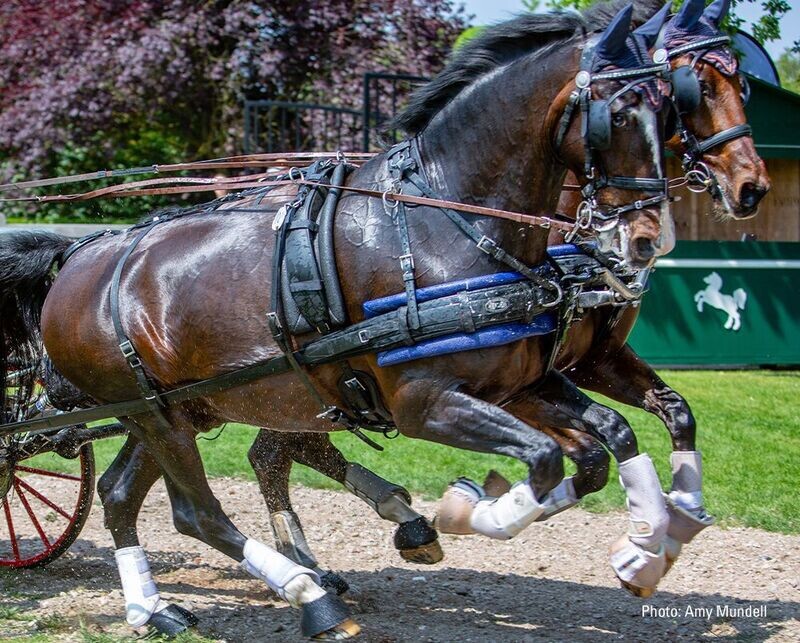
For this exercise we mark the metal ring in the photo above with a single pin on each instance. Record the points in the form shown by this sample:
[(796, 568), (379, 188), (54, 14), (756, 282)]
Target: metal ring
[(558, 299), (389, 205), (292, 177)]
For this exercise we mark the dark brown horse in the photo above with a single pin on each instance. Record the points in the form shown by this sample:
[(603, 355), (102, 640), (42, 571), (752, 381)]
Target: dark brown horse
[(193, 299), (595, 352)]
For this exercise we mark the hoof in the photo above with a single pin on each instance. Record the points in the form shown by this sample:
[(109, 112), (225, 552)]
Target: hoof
[(429, 554), (455, 508), (418, 542), (332, 582), (170, 622), (495, 485), (637, 569), (327, 618), (638, 592), (347, 630)]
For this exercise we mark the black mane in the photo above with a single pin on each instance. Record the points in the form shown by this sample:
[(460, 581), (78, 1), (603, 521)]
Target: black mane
[(501, 44)]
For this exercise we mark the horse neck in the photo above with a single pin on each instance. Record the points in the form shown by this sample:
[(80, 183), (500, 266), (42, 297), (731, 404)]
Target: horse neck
[(492, 146)]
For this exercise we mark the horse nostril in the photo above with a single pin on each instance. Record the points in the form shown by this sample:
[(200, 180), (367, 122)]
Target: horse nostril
[(644, 248), (750, 195)]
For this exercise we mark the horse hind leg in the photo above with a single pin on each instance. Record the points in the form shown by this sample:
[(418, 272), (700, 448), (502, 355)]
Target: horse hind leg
[(271, 456), (197, 513), (414, 538), (122, 489)]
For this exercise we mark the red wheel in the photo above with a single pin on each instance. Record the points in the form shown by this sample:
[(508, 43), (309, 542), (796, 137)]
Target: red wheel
[(45, 503)]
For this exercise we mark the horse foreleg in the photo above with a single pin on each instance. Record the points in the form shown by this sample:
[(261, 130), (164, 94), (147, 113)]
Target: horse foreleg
[(638, 558), (197, 513), (450, 416), (625, 377), (122, 489)]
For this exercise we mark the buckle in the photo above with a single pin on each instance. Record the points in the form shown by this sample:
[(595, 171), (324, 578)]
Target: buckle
[(354, 384), (407, 262), (127, 349), (487, 245), (363, 336)]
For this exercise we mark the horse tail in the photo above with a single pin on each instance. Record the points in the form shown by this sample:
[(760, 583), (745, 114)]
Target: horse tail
[(26, 269), (740, 297)]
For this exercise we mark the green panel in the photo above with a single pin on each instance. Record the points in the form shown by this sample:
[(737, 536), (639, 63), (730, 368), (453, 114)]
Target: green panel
[(774, 115), (672, 331)]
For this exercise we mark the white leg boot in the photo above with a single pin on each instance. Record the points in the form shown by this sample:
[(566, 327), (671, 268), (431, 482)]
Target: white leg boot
[(142, 599), (638, 559), (687, 516), (322, 613)]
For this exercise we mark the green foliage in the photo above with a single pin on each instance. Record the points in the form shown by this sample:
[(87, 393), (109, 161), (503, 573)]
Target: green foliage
[(788, 65), (766, 29), (467, 35), (748, 430)]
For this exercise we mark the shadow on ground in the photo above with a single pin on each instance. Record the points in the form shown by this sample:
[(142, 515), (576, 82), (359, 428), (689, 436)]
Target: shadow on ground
[(394, 604)]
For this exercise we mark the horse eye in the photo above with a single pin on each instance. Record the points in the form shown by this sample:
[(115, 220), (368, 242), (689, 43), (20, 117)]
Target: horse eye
[(619, 120), (706, 90)]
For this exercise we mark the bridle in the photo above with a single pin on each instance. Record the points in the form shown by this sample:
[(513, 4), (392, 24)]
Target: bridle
[(596, 133), (685, 98)]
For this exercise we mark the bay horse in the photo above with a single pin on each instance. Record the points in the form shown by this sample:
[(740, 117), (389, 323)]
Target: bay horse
[(512, 88), (595, 354)]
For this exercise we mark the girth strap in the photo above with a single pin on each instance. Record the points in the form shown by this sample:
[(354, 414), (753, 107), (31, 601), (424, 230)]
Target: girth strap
[(146, 388)]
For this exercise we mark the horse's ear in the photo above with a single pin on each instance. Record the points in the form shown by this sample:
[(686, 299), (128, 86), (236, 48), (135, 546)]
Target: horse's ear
[(689, 14), (650, 29), (612, 42), (717, 11)]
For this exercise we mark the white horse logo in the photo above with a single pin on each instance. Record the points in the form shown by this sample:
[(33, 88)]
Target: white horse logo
[(730, 304)]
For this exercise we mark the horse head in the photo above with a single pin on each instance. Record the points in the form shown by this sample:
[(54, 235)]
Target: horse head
[(710, 95), (713, 280), (617, 152)]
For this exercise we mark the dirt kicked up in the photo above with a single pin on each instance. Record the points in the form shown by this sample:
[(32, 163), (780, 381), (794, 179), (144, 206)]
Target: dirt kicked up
[(551, 583)]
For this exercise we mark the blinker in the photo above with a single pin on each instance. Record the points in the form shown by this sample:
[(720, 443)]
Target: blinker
[(599, 125), (686, 89)]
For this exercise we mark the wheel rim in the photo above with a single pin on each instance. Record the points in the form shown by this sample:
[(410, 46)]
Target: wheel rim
[(44, 509)]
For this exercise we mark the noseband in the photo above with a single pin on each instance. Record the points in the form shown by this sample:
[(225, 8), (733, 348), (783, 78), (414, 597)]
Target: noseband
[(686, 97), (596, 133)]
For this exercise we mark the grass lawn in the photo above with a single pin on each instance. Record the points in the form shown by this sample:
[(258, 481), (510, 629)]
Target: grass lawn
[(748, 431)]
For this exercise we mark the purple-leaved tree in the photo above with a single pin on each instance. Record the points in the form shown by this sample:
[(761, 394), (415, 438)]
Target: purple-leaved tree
[(88, 83)]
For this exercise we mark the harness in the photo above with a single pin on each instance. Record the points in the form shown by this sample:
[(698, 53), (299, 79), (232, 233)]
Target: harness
[(596, 133), (686, 98), (484, 311)]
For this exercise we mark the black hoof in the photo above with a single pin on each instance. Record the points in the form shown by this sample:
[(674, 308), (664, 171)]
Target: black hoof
[(332, 582), (323, 615), (418, 542), (171, 621)]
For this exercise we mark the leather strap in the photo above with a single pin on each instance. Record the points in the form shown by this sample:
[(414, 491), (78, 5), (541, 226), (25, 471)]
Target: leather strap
[(146, 388)]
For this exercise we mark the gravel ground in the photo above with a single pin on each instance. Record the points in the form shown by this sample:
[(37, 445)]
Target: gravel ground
[(550, 583)]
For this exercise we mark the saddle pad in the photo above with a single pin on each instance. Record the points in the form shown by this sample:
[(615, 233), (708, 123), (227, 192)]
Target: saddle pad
[(458, 342), (392, 302)]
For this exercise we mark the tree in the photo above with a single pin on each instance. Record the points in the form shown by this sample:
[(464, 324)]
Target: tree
[(765, 29), (84, 83), (788, 65)]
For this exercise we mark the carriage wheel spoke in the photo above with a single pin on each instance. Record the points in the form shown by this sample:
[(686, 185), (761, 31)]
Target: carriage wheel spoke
[(11, 533), (39, 496), (31, 515), (44, 472)]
